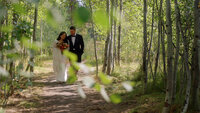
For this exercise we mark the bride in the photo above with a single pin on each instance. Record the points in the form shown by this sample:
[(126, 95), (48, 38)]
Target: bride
[(59, 60)]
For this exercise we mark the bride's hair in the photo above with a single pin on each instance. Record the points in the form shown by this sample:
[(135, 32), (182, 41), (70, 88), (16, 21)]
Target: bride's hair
[(59, 37)]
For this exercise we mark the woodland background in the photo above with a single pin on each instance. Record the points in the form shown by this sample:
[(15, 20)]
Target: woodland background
[(152, 45)]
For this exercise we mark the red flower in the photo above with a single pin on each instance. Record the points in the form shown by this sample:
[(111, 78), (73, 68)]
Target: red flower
[(63, 46)]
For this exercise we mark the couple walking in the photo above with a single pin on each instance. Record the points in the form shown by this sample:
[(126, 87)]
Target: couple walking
[(73, 43)]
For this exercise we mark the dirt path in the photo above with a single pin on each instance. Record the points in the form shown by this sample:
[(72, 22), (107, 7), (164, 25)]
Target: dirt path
[(47, 96)]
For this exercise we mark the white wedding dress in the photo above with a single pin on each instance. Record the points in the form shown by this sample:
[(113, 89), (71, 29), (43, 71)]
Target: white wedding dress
[(59, 64)]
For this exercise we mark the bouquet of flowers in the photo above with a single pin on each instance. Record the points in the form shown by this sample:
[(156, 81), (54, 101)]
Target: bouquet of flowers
[(62, 46)]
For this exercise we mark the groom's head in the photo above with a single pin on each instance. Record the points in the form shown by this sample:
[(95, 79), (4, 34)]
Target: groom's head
[(73, 30)]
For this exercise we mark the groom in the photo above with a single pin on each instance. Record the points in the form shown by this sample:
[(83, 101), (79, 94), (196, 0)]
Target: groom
[(76, 43)]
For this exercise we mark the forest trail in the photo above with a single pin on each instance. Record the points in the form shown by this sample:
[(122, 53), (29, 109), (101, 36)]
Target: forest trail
[(47, 96)]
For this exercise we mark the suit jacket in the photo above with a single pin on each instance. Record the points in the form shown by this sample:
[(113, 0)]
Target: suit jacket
[(78, 46)]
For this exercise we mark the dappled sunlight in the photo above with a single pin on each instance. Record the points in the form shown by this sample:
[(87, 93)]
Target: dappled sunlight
[(99, 56)]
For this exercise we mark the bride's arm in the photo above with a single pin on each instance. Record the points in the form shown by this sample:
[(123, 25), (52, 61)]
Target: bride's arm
[(56, 44)]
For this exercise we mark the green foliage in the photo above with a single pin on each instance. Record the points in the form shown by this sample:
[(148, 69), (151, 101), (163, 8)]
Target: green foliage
[(72, 75), (19, 8), (26, 42), (50, 19), (13, 56), (23, 29), (2, 10), (81, 15), (6, 29), (101, 19), (73, 68), (97, 87), (116, 99), (105, 79), (71, 56), (54, 16)]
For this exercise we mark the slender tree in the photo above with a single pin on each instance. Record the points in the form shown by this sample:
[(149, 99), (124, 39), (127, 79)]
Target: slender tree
[(115, 35), (3, 21), (110, 51), (41, 36), (34, 35), (71, 11), (186, 64), (105, 61), (177, 49), (14, 35), (158, 48), (94, 38), (169, 88), (196, 57), (145, 44), (119, 34), (163, 48), (152, 27)]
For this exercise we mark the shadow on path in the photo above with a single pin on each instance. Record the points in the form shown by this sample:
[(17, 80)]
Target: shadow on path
[(63, 98)]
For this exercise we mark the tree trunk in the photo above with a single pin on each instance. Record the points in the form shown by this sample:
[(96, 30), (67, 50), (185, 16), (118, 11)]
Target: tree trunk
[(163, 51), (157, 58), (196, 57), (14, 36), (186, 63), (2, 22), (34, 35), (182, 77), (197, 31), (105, 61), (115, 35), (177, 49), (159, 38), (150, 44), (1, 34), (41, 36), (119, 35), (188, 73), (145, 44), (12, 63), (71, 11), (6, 34), (95, 47), (169, 89), (110, 53)]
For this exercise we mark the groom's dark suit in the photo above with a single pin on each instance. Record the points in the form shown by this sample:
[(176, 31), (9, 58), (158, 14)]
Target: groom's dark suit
[(77, 47)]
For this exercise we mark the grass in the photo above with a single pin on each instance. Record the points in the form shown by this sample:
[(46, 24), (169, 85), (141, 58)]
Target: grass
[(151, 102), (41, 58), (124, 72), (43, 67), (29, 104), (145, 103)]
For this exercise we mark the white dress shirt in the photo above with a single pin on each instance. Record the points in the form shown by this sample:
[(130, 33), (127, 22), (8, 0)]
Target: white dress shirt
[(73, 39)]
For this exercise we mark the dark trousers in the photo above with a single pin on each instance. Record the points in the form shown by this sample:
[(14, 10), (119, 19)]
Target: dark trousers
[(79, 58)]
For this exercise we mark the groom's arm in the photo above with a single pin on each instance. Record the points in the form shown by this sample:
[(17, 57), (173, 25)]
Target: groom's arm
[(66, 40), (82, 43)]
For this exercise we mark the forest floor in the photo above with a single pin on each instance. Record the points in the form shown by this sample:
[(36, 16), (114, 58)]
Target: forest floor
[(47, 96)]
